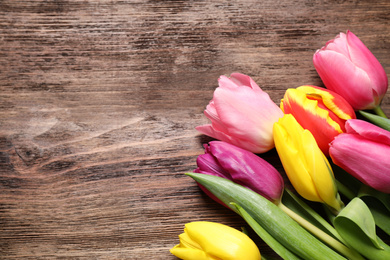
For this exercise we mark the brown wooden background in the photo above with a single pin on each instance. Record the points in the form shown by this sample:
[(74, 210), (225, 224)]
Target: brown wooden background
[(99, 100)]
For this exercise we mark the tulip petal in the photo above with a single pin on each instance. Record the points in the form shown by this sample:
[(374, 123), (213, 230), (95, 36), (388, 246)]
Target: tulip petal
[(311, 116), (222, 242), (362, 57), (211, 113), (208, 163), (188, 254), (336, 70), (364, 159), (245, 81), (243, 143), (287, 145), (225, 82), (228, 103), (187, 242), (241, 114), (322, 174), (333, 101), (368, 131), (248, 169), (188, 249), (338, 44)]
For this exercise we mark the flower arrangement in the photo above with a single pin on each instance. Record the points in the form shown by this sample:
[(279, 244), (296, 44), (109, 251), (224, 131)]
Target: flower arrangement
[(330, 155)]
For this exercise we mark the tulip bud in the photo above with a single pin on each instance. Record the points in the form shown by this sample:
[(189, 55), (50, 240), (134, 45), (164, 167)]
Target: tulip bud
[(208, 241), (306, 166), (347, 67), (321, 111), (242, 167), (241, 114), (363, 151)]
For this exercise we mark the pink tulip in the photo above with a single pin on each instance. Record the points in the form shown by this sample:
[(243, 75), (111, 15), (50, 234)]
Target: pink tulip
[(242, 167), (347, 67), (241, 114), (363, 151)]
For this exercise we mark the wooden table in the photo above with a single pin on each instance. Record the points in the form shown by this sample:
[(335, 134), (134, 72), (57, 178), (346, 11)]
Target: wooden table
[(99, 100)]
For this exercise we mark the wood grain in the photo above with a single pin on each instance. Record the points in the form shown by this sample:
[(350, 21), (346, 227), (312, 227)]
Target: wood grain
[(99, 101)]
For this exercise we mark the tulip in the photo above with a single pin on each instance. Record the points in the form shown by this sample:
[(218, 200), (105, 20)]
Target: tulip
[(321, 111), (241, 114), (363, 151), (347, 67), (242, 167), (211, 241), (306, 166)]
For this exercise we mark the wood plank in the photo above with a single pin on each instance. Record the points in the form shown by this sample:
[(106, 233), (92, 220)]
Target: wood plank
[(99, 101)]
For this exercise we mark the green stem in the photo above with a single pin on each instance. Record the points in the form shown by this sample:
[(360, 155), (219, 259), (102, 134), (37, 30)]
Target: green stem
[(297, 205), (378, 111), (345, 190), (338, 246)]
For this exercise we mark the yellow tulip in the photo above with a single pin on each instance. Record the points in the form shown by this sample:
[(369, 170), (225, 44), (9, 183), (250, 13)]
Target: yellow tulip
[(306, 166), (205, 240)]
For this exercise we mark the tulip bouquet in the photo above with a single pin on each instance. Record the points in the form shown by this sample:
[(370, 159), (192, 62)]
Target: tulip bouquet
[(330, 156)]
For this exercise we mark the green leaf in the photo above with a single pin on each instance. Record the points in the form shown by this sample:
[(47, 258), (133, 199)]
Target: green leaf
[(379, 204), (271, 218), (380, 213), (356, 225), (265, 236), (376, 120)]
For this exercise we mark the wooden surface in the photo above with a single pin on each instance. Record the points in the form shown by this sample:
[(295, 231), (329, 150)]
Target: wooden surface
[(99, 100)]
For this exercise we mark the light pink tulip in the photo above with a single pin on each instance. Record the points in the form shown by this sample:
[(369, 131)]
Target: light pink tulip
[(241, 114), (363, 151), (347, 67)]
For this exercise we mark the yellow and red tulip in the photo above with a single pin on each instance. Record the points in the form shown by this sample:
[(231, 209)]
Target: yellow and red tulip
[(205, 240), (321, 111)]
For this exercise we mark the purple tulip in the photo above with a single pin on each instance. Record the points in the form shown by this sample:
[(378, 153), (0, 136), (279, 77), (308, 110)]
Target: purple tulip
[(347, 67), (242, 167), (363, 151)]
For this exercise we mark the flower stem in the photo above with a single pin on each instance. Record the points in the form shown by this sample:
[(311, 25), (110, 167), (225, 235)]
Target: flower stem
[(338, 246), (345, 190), (289, 197), (378, 111)]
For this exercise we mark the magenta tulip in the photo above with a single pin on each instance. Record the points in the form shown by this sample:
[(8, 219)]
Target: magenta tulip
[(363, 151), (242, 167), (347, 67), (241, 114)]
